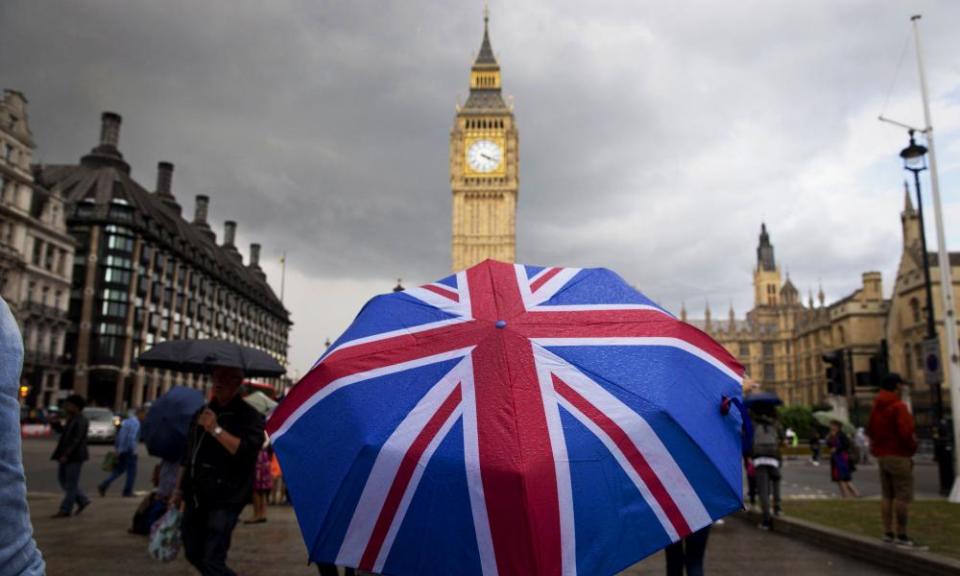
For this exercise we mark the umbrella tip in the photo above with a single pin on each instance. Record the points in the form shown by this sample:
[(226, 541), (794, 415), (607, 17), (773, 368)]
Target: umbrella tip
[(501, 323)]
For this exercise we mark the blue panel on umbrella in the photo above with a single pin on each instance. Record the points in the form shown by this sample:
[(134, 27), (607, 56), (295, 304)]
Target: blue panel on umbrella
[(651, 379), (450, 281), (604, 496), (389, 312), (439, 518), (327, 481), (706, 480), (598, 286), (533, 270)]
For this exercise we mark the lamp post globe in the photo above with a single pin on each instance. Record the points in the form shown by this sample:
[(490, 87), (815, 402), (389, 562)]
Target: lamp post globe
[(914, 156)]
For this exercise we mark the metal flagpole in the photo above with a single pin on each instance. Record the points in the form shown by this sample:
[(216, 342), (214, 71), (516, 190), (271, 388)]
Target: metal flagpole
[(946, 276), (283, 274)]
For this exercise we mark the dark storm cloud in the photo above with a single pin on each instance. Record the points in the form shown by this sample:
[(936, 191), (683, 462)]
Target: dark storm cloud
[(654, 137)]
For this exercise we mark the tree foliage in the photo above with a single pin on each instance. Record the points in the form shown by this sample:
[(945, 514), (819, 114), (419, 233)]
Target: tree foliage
[(800, 418)]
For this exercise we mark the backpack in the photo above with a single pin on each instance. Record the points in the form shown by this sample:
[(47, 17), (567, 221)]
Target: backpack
[(766, 441)]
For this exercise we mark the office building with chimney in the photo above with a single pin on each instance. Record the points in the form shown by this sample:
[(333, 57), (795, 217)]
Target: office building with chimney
[(144, 274)]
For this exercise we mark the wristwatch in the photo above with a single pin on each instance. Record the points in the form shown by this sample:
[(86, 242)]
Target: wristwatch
[(217, 431)]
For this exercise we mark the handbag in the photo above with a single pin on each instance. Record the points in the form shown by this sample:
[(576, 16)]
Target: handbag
[(109, 461), (165, 536)]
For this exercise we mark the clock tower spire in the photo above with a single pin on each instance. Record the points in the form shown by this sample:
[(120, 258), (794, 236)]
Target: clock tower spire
[(484, 167)]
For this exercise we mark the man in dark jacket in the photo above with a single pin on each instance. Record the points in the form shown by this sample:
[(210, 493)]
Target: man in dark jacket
[(71, 453), (893, 442), (216, 479)]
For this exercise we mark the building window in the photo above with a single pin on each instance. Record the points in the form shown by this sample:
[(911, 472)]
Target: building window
[(31, 291), (769, 373), (915, 310), (117, 276), (768, 349), (841, 335), (37, 251)]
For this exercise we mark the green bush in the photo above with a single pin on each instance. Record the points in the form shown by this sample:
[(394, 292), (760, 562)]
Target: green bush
[(800, 418)]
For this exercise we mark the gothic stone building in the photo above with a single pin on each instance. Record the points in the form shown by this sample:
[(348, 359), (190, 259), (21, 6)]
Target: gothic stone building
[(782, 341), (144, 274), (36, 256), (906, 324), (484, 168)]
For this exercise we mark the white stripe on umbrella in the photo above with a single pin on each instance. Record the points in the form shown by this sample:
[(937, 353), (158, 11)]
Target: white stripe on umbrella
[(385, 467)]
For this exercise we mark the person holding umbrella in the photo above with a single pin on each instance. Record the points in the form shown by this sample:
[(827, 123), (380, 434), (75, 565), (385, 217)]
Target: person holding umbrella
[(216, 478), (841, 465)]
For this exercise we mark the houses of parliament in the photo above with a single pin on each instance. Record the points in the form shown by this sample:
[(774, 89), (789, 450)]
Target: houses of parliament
[(809, 352)]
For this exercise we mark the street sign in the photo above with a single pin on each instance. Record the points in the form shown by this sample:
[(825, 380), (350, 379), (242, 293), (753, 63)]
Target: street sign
[(932, 367)]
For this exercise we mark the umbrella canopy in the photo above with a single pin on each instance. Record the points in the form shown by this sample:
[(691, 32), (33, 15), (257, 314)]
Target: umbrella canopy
[(824, 419), (261, 402), (168, 422), (511, 419), (202, 356), (762, 398)]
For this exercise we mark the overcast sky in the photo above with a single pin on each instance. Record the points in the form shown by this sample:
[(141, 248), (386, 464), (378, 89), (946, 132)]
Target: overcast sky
[(655, 136)]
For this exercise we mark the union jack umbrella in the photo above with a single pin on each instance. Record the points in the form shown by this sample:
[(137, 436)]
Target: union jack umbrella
[(511, 420)]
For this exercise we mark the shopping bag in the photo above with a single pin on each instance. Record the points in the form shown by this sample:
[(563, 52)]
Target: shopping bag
[(165, 536), (109, 461)]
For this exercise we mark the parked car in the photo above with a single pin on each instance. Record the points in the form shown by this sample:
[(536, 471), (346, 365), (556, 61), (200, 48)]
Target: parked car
[(103, 428), (34, 423)]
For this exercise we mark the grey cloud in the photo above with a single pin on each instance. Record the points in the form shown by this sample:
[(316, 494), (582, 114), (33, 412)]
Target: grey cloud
[(654, 136)]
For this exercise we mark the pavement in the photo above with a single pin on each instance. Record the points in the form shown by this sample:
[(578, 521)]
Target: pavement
[(41, 471), (804, 481), (96, 542)]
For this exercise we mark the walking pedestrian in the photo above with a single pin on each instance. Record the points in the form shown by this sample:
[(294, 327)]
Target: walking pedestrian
[(751, 480), (126, 447), (688, 553), (277, 494), (262, 484), (893, 442), (815, 447), (768, 439), (216, 476), (841, 464), (18, 550), (70, 454), (862, 442)]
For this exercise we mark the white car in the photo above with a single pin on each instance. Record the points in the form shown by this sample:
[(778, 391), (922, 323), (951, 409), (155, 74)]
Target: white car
[(102, 427)]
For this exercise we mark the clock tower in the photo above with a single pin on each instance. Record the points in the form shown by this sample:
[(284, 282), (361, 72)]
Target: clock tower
[(484, 168)]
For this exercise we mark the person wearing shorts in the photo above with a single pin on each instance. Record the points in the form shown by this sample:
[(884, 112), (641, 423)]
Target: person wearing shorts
[(893, 442)]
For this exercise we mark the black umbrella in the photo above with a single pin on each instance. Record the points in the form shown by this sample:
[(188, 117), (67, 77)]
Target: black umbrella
[(168, 422), (756, 398), (202, 356)]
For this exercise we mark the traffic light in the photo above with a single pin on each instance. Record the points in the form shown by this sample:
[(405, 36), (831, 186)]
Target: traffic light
[(836, 375), (24, 391)]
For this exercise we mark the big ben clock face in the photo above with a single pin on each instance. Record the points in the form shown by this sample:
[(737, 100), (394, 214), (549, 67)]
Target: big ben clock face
[(484, 156)]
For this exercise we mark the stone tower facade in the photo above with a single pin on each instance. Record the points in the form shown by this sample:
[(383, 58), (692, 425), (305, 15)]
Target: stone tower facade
[(766, 277), (484, 168)]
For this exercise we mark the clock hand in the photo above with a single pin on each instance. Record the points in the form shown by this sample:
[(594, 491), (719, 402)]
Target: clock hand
[(487, 157)]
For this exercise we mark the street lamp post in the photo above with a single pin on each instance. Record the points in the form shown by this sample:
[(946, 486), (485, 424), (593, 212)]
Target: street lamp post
[(915, 161)]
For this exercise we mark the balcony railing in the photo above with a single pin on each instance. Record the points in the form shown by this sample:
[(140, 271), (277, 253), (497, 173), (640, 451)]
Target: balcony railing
[(41, 358), (44, 311)]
